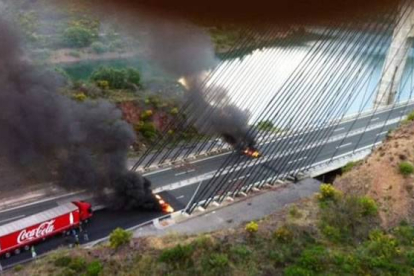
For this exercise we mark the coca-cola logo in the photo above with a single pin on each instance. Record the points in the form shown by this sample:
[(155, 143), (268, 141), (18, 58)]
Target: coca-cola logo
[(43, 229)]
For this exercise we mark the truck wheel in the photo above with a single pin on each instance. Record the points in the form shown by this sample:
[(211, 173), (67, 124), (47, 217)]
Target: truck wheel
[(26, 247), (17, 251)]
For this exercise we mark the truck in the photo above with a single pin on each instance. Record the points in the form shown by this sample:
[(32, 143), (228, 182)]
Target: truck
[(21, 234)]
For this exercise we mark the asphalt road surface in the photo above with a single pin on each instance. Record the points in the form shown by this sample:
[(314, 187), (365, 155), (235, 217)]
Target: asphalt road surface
[(200, 173)]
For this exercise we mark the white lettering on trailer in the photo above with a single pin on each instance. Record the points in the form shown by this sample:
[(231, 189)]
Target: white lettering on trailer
[(43, 229)]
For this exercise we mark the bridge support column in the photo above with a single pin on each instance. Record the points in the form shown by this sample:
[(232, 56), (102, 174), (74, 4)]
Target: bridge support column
[(396, 58)]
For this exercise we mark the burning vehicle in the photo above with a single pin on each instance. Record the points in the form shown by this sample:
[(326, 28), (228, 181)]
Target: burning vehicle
[(245, 145), (165, 207), (252, 152)]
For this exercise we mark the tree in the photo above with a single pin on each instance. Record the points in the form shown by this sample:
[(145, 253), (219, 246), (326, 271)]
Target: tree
[(99, 47), (117, 78), (78, 37), (133, 77)]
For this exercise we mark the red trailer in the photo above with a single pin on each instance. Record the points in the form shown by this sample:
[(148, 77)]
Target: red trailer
[(22, 233)]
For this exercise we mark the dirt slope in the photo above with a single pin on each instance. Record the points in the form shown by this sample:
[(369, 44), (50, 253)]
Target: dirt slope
[(379, 177)]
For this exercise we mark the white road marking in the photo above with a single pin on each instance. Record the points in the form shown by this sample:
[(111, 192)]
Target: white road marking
[(297, 160), (179, 197), (181, 173), (241, 177), (13, 218), (375, 119), (344, 145), (295, 141), (382, 133), (338, 129)]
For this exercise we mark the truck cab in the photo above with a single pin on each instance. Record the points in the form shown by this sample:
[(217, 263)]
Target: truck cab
[(85, 210)]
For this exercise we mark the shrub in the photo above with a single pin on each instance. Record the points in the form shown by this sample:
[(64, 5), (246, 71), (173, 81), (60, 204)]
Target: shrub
[(148, 126), (103, 84), (98, 47), (114, 77), (149, 135), (117, 78), (252, 227), (219, 263), (78, 37), (63, 261), (327, 192), (80, 97), (368, 205), (77, 264), (94, 268), (241, 252), (405, 234), (406, 168), (18, 268), (174, 111), (348, 263), (314, 258), (119, 237), (353, 216), (332, 233), (148, 130), (133, 77), (294, 212), (146, 114), (139, 125), (283, 234), (410, 257), (410, 117), (67, 272), (349, 166), (379, 251), (177, 256), (295, 270)]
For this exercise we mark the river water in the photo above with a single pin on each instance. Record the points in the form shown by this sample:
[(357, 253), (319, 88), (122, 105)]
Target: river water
[(314, 81), (340, 78)]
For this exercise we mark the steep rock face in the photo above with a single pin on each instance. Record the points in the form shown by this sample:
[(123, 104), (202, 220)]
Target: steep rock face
[(131, 112), (379, 177)]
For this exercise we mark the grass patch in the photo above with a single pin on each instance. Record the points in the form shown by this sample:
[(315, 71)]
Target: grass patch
[(406, 168), (349, 166)]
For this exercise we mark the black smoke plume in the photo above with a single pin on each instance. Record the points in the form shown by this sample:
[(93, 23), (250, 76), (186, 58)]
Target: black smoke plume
[(184, 50), (49, 137), (221, 118)]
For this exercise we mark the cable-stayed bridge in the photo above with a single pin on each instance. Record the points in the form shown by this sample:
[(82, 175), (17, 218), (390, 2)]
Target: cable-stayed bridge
[(310, 110), (330, 99)]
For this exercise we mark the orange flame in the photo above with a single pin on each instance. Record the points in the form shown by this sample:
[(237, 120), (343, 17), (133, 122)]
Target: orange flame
[(166, 208), (252, 153)]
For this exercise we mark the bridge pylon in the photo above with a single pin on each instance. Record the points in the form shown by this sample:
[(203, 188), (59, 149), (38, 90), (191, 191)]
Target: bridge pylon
[(397, 56)]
